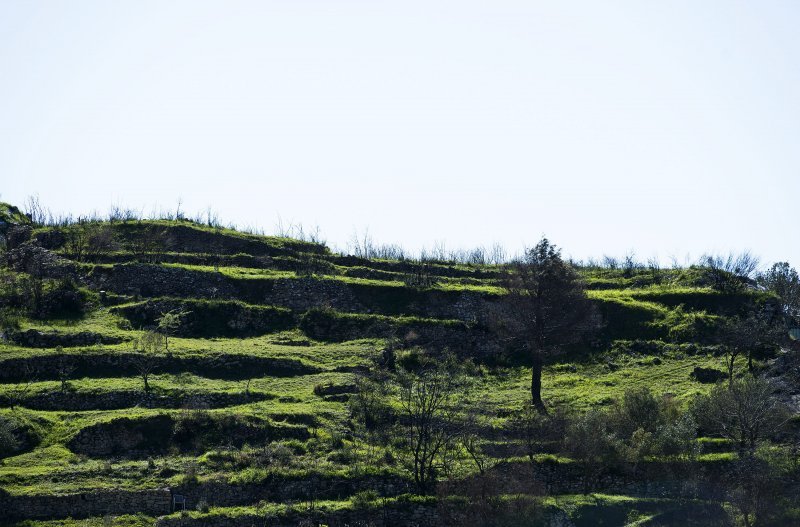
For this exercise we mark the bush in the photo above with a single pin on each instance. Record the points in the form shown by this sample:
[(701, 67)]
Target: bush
[(9, 440), (63, 299), (591, 442), (278, 453), (677, 438), (639, 409), (364, 498)]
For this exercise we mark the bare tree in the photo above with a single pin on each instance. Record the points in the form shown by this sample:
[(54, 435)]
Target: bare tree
[(545, 309), (477, 417), (66, 368), (101, 241), (420, 275), (362, 246), (536, 430), (731, 272), (746, 412), (429, 405), (147, 349), (34, 209)]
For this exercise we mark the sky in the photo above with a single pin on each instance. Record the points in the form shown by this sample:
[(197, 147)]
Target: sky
[(668, 129)]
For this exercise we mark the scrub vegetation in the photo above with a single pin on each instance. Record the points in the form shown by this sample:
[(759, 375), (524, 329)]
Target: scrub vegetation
[(272, 381)]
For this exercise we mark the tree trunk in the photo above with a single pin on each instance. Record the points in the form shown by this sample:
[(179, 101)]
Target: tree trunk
[(536, 383), (731, 365)]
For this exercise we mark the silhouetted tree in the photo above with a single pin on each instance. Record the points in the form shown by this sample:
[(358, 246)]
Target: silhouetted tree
[(545, 309)]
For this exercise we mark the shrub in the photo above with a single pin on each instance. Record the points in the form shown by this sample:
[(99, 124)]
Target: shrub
[(591, 442), (677, 438), (9, 441), (639, 409), (364, 498), (278, 452), (63, 299)]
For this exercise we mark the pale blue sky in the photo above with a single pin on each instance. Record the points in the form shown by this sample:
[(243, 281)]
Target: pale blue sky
[(666, 127)]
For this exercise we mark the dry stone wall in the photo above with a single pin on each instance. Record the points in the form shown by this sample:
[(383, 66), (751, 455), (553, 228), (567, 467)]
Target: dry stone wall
[(394, 515), (84, 505)]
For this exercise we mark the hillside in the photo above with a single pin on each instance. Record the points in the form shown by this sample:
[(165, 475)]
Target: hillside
[(251, 409)]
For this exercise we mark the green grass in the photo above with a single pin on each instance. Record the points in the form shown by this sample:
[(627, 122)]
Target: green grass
[(656, 323)]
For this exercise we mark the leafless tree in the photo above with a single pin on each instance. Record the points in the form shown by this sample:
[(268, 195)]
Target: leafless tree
[(33, 284), (544, 310), (477, 417), (101, 241), (34, 209), (147, 352), (536, 430), (66, 368), (497, 254), (730, 272), (362, 246), (746, 412), (420, 275), (429, 418)]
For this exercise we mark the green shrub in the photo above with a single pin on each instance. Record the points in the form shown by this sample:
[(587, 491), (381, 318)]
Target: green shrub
[(9, 440), (364, 499)]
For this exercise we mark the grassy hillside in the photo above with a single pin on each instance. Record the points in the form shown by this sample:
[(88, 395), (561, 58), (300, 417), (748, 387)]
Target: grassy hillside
[(249, 412)]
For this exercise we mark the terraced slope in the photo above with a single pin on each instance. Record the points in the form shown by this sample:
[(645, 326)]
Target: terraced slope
[(247, 414)]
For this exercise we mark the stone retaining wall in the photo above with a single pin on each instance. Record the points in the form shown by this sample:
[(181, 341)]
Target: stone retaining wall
[(393, 515), (121, 364), (84, 505), (115, 400)]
